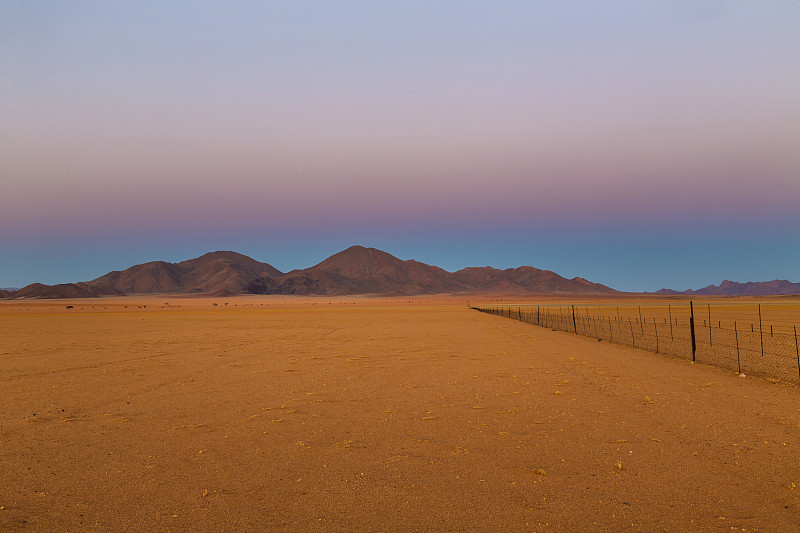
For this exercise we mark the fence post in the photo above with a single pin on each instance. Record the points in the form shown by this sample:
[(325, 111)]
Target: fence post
[(655, 327), (641, 322), (669, 309), (761, 331), (796, 350), (633, 337), (691, 327), (574, 324), (738, 359), (710, 344)]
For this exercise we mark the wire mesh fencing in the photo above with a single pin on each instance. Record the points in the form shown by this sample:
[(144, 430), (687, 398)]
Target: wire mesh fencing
[(751, 349)]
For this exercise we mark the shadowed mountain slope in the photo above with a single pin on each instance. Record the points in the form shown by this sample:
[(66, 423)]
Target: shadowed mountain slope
[(357, 270), (360, 270), (223, 271), (153, 277), (214, 271), (63, 290), (526, 279)]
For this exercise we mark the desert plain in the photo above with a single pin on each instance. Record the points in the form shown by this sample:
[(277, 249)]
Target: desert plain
[(364, 414)]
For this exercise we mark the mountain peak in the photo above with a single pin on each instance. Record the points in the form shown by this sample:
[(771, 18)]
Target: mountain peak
[(224, 254), (359, 261), (220, 255), (357, 248)]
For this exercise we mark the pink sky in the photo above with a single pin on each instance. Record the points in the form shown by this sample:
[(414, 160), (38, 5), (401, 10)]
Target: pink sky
[(184, 121)]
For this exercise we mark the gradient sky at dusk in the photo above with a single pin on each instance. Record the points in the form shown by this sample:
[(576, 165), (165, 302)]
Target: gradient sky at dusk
[(637, 144)]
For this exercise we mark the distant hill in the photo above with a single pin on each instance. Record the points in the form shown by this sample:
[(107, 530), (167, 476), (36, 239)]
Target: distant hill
[(63, 290), (527, 279), (360, 270), (357, 270), (751, 288), (218, 273), (5, 292), (212, 272)]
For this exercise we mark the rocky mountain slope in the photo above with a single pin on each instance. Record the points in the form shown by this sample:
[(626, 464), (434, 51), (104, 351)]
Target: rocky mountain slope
[(357, 270), (214, 271)]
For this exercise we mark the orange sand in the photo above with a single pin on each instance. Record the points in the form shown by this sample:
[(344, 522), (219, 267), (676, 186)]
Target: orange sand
[(372, 415)]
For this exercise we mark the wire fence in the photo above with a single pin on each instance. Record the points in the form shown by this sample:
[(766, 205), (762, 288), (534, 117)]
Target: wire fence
[(744, 348)]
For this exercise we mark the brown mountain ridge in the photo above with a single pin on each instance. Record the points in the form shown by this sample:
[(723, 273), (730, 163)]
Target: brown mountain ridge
[(778, 287), (356, 270)]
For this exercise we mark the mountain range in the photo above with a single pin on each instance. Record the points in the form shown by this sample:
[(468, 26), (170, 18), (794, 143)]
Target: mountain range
[(751, 288), (357, 270)]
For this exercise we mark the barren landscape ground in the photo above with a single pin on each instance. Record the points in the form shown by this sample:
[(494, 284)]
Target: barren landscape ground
[(172, 414)]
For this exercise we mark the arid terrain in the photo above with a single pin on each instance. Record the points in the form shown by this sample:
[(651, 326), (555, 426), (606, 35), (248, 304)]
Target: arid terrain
[(273, 413)]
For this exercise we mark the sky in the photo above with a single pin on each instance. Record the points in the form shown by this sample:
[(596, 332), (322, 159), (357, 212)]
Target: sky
[(636, 144)]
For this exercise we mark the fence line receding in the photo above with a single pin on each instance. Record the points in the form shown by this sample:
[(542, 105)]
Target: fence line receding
[(681, 332)]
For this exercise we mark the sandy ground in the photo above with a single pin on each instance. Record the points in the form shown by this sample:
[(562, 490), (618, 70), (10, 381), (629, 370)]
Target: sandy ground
[(359, 417)]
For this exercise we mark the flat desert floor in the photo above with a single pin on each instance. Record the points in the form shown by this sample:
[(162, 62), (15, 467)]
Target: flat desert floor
[(349, 415)]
